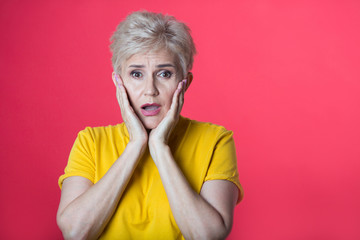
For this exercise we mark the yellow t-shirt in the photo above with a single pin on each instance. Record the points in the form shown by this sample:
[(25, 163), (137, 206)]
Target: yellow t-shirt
[(203, 151)]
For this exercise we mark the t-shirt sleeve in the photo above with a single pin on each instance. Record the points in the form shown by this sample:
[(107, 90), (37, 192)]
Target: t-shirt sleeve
[(223, 164), (81, 159)]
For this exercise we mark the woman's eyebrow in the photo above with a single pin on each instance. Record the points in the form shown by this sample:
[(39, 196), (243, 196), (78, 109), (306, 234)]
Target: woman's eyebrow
[(165, 65), (158, 66), (136, 66)]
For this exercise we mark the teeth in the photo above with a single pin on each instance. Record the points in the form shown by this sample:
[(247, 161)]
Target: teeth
[(151, 108)]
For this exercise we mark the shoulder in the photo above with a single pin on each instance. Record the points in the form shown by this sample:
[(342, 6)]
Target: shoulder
[(103, 132), (204, 129)]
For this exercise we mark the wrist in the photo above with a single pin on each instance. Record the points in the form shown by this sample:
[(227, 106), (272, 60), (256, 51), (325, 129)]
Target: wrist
[(140, 144), (157, 145), (157, 148), (139, 139)]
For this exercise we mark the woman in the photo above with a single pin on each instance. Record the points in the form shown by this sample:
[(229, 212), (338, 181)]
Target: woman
[(157, 175)]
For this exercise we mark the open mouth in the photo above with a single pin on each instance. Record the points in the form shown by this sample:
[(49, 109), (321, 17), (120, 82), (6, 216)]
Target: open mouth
[(150, 109)]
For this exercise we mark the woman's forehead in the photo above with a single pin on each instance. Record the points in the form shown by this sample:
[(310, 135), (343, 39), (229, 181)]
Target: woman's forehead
[(151, 58)]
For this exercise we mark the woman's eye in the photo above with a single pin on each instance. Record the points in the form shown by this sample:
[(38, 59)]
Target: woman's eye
[(165, 74), (135, 74)]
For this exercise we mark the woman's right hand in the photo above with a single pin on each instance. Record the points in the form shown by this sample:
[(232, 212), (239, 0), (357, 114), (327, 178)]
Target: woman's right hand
[(136, 129)]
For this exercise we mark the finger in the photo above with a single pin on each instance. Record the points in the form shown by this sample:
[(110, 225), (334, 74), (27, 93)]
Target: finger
[(118, 92), (175, 100), (118, 97), (123, 92), (125, 106), (119, 80), (121, 105), (181, 97)]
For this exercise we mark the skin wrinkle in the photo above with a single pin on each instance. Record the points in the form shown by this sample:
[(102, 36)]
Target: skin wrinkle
[(150, 89)]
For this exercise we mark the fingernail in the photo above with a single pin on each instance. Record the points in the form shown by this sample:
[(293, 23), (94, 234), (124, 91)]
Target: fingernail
[(183, 84), (118, 80)]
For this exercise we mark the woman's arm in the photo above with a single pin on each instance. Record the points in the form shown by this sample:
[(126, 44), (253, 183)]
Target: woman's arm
[(86, 208), (205, 216)]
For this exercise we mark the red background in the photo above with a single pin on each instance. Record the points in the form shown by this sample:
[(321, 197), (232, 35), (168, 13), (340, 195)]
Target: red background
[(283, 75)]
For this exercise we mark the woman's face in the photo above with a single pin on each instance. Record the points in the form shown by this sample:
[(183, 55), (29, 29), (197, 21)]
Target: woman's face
[(150, 80)]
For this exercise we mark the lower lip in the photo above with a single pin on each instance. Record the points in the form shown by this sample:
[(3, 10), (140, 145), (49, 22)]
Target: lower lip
[(150, 113)]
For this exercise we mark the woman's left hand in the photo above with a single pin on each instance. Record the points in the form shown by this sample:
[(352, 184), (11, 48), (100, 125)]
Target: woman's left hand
[(159, 136)]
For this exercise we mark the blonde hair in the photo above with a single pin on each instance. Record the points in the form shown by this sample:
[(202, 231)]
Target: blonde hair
[(145, 31)]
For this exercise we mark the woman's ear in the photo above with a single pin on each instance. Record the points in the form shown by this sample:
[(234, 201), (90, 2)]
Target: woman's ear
[(189, 79)]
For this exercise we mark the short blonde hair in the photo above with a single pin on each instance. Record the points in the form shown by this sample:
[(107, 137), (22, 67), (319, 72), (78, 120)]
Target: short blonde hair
[(146, 31)]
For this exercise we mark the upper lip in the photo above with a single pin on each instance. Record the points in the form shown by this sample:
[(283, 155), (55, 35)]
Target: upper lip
[(150, 104)]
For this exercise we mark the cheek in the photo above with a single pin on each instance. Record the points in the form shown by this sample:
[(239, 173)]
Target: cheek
[(132, 93), (169, 94)]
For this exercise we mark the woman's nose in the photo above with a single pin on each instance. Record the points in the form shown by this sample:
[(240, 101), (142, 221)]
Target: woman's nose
[(150, 87)]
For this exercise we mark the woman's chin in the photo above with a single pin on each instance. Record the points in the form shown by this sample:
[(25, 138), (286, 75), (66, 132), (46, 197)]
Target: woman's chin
[(150, 124)]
